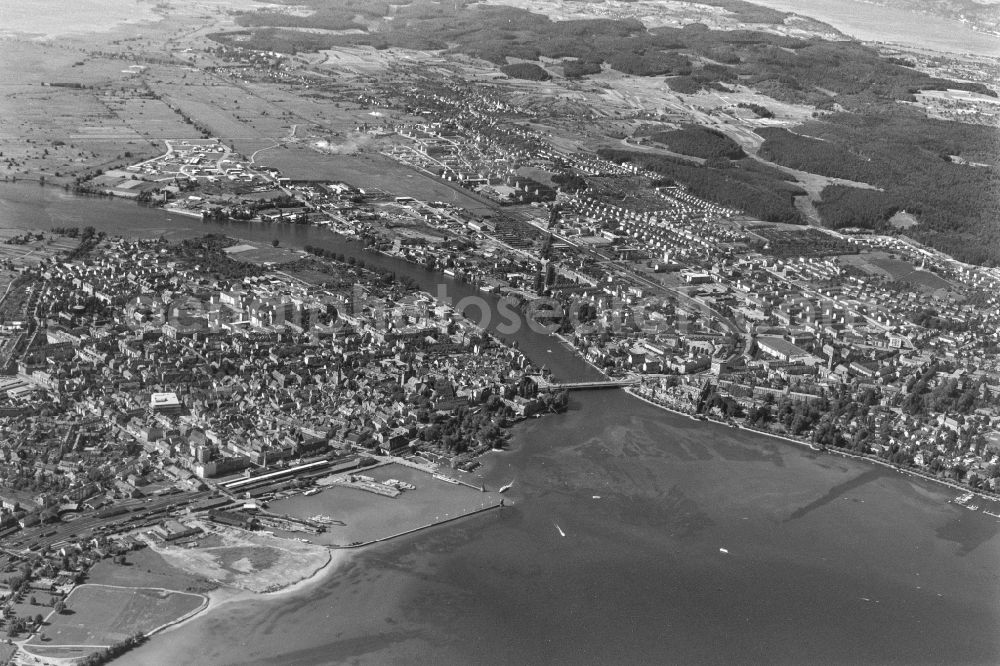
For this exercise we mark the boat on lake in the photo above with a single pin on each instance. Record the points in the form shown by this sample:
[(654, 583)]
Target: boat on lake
[(507, 487), (311, 491), (446, 479)]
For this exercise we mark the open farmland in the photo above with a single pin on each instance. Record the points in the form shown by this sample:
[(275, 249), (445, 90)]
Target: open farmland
[(151, 117), (66, 129), (31, 252)]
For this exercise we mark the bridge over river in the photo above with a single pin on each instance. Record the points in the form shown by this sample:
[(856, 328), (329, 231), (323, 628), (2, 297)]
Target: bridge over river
[(546, 385)]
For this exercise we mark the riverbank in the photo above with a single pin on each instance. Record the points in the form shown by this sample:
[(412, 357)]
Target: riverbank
[(632, 392), (580, 355)]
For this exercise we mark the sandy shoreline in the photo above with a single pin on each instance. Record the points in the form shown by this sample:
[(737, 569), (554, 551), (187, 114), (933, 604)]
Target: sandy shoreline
[(223, 596)]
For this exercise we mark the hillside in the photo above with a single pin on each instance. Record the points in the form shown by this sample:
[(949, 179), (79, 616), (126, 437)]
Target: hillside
[(945, 174)]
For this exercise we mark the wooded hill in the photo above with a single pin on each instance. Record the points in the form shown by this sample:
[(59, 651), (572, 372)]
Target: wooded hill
[(790, 69), (699, 141), (910, 159)]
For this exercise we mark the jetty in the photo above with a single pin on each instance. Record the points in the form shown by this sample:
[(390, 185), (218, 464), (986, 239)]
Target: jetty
[(368, 484)]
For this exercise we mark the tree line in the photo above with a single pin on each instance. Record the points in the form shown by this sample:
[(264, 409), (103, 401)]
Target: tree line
[(698, 141)]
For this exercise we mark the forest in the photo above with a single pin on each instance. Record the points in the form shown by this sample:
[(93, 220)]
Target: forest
[(657, 63), (808, 71), (698, 141), (525, 70), (757, 192), (909, 158), (576, 68), (324, 18), (758, 110)]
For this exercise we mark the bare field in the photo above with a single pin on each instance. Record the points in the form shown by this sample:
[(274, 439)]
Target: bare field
[(903, 270), (43, 62), (252, 562), (619, 99)]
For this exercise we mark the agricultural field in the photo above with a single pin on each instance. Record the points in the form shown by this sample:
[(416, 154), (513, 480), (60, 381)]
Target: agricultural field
[(74, 106), (151, 117), (25, 250), (50, 129), (101, 615)]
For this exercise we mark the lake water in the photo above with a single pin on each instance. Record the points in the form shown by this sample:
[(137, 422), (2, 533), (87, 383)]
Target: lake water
[(829, 560), (59, 17), (872, 23)]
